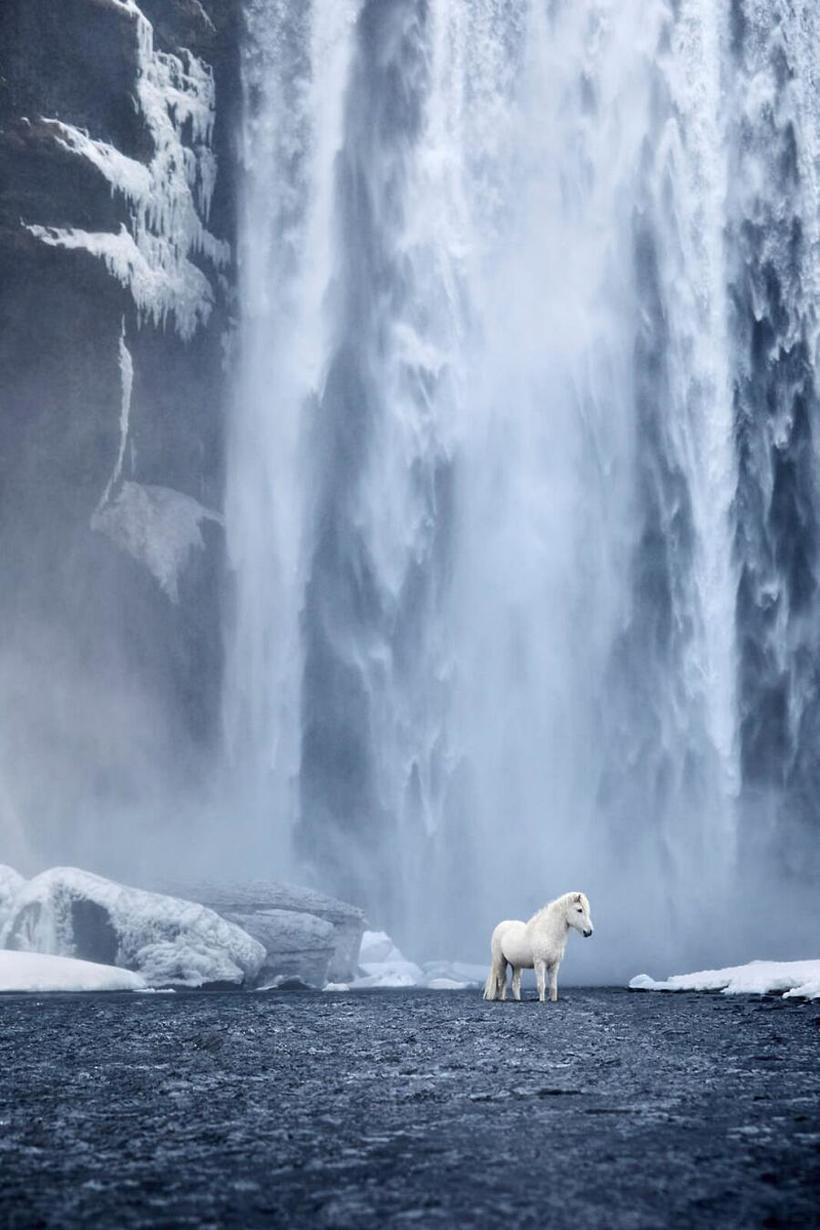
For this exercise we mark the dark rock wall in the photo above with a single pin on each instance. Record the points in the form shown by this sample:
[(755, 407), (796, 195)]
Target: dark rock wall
[(111, 687)]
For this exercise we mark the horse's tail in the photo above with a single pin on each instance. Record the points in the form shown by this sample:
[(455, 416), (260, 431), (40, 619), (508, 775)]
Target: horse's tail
[(498, 971), (491, 985)]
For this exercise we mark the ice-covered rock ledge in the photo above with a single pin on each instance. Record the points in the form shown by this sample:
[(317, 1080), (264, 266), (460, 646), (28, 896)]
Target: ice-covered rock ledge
[(795, 979), (66, 912)]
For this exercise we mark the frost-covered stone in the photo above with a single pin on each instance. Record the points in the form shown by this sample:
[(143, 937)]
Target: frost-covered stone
[(297, 945), (168, 941), (257, 896)]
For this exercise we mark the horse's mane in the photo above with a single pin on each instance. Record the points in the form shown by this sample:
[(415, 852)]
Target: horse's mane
[(556, 901)]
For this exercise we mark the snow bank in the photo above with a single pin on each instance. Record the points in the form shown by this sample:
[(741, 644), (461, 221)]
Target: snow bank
[(796, 979), (36, 971), (72, 913)]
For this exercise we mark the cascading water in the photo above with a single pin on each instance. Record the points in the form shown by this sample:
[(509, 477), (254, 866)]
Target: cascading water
[(521, 436)]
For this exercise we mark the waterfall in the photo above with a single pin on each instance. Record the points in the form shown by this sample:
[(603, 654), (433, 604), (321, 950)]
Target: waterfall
[(521, 499)]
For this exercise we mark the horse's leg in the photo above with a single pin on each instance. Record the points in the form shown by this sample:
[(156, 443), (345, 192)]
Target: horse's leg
[(554, 982), (502, 979), (541, 979), (516, 982)]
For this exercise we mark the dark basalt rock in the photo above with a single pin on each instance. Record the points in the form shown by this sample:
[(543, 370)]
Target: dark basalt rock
[(72, 598)]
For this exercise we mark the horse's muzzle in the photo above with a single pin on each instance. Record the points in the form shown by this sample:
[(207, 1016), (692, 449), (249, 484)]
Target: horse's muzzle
[(588, 933)]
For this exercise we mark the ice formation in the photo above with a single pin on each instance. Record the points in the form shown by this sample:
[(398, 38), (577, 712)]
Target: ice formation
[(10, 884), (68, 912), (384, 965), (126, 386), (169, 199), (158, 526), (795, 979), (36, 971)]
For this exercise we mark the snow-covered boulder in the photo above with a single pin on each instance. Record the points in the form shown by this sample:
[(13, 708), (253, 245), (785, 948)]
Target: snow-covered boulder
[(37, 971), (794, 979), (297, 945), (241, 900), (170, 942), (10, 884), (383, 965)]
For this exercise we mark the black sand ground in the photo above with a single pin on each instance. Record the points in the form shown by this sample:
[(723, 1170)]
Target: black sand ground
[(373, 1109)]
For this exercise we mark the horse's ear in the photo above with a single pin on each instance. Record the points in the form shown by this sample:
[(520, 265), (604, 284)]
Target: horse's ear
[(578, 898)]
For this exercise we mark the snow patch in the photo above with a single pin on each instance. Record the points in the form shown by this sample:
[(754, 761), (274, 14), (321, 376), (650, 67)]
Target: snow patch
[(67, 912), (158, 526), (796, 979), (36, 971)]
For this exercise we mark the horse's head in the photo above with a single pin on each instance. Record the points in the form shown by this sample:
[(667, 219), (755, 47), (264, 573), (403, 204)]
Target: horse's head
[(578, 913)]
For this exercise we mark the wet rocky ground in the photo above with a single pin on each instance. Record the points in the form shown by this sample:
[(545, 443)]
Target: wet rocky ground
[(408, 1108)]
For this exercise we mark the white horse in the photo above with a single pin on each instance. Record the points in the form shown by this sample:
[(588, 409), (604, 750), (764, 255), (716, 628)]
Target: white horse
[(538, 944)]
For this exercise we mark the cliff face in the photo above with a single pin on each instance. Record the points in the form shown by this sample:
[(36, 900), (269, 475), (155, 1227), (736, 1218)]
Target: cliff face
[(116, 259)]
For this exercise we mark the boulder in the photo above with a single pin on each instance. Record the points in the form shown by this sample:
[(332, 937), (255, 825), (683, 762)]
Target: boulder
[(243, 900), (298, 946), (169, 941)]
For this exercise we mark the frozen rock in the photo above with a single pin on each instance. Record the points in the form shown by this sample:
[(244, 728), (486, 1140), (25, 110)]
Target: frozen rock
[(378, 946), (72, 913), (167, 200), (36, 971), (297, 945), (258, 896), (382, 964), (10, 884)]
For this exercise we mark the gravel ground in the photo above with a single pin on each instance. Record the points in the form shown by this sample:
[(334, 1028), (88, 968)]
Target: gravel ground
[(371, 1109)]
